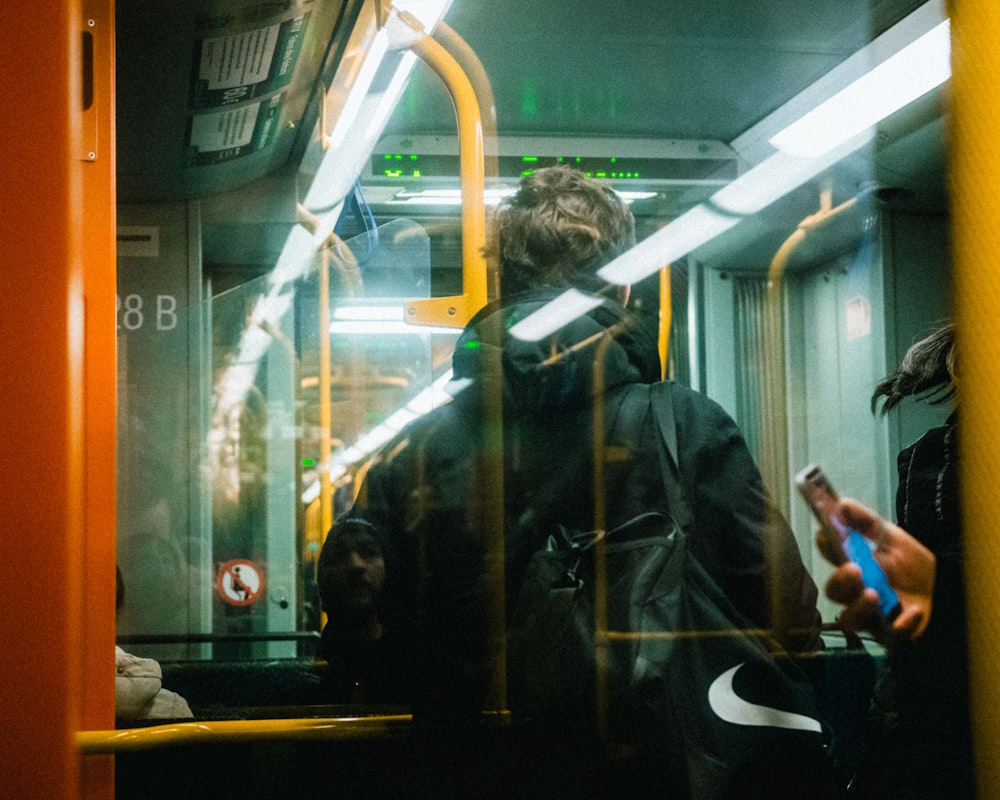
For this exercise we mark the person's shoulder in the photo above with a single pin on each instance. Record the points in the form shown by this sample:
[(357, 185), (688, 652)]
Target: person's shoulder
[(934, 445), (691, 402), (702, 423), (132, 666)]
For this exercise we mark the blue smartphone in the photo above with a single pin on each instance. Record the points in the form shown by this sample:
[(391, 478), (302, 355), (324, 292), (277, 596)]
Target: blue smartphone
[(844, 543)]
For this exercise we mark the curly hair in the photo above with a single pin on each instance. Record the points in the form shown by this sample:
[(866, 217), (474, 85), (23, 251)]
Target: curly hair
[(558, 230), (928, 372)]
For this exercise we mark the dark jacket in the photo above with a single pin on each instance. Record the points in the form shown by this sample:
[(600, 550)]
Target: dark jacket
[(436, 488), (918, 742)]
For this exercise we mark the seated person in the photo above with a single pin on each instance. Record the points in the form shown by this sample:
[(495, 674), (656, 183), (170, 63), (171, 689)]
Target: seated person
[(139, 692)]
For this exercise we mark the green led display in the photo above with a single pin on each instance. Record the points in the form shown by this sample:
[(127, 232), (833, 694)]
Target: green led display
[(417, 166)]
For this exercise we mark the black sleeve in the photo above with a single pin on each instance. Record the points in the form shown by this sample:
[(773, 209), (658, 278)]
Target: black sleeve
[(740, 535)]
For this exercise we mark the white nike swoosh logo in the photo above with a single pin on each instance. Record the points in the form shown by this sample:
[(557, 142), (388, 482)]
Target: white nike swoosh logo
[(730, 707)]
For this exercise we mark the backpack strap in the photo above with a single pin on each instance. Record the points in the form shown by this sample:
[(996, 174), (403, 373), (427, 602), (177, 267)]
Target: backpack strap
[(640, 399)]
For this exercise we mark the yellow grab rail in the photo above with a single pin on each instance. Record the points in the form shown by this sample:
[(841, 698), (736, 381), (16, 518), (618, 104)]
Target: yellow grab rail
[(456, 310), (235, 731)]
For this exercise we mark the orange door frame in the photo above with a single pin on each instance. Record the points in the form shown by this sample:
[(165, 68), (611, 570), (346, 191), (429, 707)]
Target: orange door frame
[(58, 388)]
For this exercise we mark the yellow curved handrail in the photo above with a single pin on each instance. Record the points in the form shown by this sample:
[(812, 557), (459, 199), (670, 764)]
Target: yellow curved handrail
[(457, 310), (774, 413)]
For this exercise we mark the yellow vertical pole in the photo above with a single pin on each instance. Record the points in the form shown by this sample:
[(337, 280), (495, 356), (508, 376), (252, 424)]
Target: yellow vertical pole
[(666, 319), (975, 176), (326, 488)]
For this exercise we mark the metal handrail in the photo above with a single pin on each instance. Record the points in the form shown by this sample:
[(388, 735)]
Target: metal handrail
[(457, 310), (235, 731), (216, 638)]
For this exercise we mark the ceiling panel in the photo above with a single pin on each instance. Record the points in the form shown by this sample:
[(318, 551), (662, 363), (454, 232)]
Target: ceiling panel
[(657, 68)]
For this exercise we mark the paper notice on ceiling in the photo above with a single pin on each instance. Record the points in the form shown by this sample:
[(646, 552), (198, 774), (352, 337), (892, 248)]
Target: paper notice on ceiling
[(224, 135), (234, 68)]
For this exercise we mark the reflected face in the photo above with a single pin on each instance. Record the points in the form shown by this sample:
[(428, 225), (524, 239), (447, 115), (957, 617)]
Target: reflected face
[(354, 572)]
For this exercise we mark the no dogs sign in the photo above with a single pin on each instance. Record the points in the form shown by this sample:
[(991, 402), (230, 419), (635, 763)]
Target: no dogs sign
[(239, 582)]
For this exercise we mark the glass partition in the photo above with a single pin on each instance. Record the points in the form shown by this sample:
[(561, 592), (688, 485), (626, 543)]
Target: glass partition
[(788, 253), (228, 573)]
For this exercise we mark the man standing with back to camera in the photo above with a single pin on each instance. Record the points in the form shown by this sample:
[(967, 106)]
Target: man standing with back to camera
[(425, 490)]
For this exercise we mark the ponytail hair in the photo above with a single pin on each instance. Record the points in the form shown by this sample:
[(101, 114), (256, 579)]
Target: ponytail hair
[(928, 372)]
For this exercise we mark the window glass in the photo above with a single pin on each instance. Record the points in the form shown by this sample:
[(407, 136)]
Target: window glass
[(788, 255)]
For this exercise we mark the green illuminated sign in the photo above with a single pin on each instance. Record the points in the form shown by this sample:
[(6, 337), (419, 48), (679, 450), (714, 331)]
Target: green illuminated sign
[(419, 166)]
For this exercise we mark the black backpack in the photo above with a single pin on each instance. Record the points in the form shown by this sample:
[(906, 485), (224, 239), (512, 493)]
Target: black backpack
[(625, 632)]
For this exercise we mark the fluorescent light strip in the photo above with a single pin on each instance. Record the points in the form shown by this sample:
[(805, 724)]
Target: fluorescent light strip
[(374, 327), (690, 230), (453, 197), (355, 132), (552, 316), (364, 115), (359, 91), (271, 310), (792, 166), (444, 197), (632, 196), (295, 258), (751, 192), (432, 397), (390, 313), (748, 194), (778, 175), (921, 66)]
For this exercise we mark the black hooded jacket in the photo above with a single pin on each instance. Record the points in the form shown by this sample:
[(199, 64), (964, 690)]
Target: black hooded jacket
[(530, 407)]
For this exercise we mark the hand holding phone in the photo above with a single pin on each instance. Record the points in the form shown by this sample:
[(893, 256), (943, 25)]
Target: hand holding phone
[(842, 543)]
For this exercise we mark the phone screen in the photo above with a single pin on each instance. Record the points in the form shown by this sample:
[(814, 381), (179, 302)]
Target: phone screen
[(846, 543)]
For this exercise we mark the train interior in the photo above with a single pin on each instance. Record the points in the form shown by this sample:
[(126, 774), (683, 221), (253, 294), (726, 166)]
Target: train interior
[(296, 184)]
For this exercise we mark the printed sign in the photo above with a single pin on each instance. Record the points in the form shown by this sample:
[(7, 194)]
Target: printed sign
[(239, 582), (234, 68), (859, 317), (224, 135), (138, 241)]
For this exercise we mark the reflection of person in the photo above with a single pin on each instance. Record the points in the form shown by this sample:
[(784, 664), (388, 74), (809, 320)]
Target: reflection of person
[(918, 743), (139, 692), (366, 659)]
